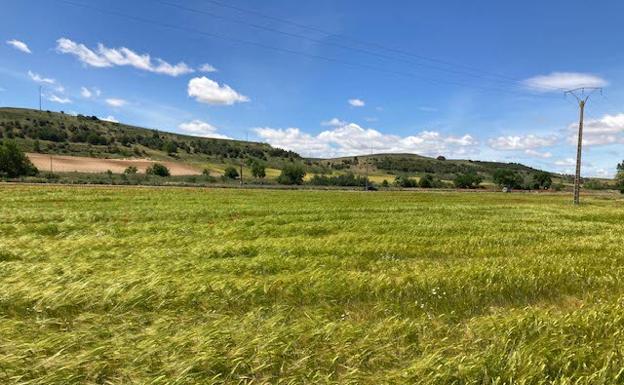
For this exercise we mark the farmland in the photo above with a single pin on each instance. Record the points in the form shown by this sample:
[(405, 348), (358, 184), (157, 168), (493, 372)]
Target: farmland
[(187, 286)]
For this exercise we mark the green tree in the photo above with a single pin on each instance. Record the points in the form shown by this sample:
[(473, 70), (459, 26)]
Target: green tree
[(467, 180), (258, 169), (131, 170), (542, 180), (13, 161), (36, 146), (230, 173), (507, 178), (158, 169), (292, 174), (426, 181), (170, 147)]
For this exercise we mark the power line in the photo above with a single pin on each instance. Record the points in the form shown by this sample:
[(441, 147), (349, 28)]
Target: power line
[(285, 50), (362, 42), (328, 43)]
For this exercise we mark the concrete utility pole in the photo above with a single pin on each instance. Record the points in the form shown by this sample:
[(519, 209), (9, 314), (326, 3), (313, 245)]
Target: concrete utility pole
[(579, 94)]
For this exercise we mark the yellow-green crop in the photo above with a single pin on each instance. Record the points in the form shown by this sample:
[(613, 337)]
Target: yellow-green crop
[(211, 286)]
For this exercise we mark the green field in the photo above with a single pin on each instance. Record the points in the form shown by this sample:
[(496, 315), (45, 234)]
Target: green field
[(202, 286)]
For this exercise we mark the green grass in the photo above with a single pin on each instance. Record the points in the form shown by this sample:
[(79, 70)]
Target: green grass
[(200, 286)]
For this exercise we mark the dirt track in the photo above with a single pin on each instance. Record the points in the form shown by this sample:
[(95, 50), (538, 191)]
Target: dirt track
[(62, 163)]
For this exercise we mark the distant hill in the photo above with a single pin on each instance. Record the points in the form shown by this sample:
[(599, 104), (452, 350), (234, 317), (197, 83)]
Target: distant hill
[(68, 135), (59, 133)]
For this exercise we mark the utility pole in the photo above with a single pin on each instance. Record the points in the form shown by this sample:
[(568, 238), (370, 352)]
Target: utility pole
[(581, 97), (241, 173), (39, 98)]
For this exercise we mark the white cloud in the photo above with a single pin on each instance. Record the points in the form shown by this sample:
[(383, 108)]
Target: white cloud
[(609, 129), (351, 139), (538, 154), (334, 122), (88, 93), (57, 99), (427, 109), (208, 91), (85, 92), (40, 79), (109, 57), (565, 162), (357, 102), (521, 142), (19, 45), (110, 118), (207, 68), (201, 128), (113, 102), (560, 81)]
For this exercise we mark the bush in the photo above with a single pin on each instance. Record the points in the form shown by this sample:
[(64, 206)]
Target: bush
[(230, 173), (428, 181), (467, 180), (507, 178), (206, 172), (292, 174), (158, 169), (348, 179), (405, 182), (13, 161), (542, 180), (258, 170), (385, 183), (131, 170)]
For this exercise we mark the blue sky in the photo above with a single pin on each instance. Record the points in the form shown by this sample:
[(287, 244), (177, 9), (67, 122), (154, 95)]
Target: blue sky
[(481, 80)]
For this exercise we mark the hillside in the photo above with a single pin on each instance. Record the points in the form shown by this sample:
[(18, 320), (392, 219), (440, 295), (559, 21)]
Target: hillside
[(61, 134)]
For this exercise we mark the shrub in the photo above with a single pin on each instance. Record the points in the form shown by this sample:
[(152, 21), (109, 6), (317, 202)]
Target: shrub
[(507, 178), (427, 181), (131, 170), (405, 182), (542, 180), (13, 161), (158, 169), (206, 172), (467, 180), (385, 183), (230, 173), (292, 174), (258, 170)]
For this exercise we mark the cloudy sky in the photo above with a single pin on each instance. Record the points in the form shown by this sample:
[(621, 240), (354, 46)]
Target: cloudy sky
[(480, 80)]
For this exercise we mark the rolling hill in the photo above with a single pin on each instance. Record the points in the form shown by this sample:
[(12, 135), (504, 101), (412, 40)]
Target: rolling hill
[(63, 135)]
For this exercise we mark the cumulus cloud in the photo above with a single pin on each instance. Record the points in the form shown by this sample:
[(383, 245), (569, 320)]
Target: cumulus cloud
[(334, 122), (351, 139), (356, 102), (208, 91), (521, 142), (538, 154), (103, 56), (558, 81), (110, 118), (89, 93), (200, 128), (58, 99), (565, 162), (19, 45), (114, 102), (207, 68), (608, 129), (40, 79)]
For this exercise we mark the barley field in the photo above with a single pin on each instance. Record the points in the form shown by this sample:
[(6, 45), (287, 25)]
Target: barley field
[(224, 286)]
